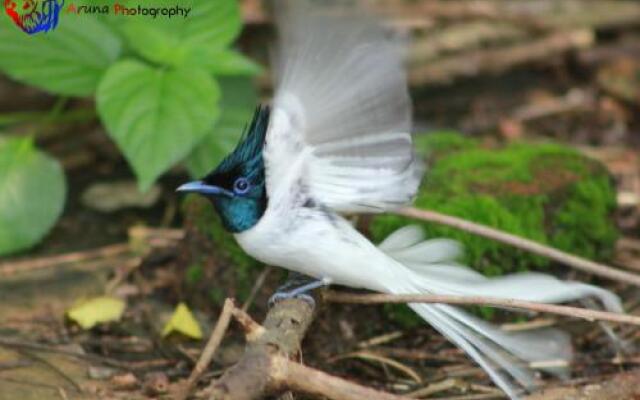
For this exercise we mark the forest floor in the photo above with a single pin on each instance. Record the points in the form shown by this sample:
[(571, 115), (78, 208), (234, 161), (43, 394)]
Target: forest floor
[(494, 71)]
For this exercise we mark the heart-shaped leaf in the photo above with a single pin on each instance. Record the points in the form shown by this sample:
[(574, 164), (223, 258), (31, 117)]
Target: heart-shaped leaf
[(222, 62), (32, 194), (156, 115), (238, 102), (169, 41), (69, 60)]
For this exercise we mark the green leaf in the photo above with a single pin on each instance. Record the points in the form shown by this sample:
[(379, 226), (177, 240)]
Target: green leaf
[(154, 43), (69, 60), (223, 62), (95, 311), (238, 102), (32, 194), (182, 321), (156, 116), (209, 24)]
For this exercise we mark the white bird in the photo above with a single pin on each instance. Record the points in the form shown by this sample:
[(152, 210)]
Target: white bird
[(335, 140)]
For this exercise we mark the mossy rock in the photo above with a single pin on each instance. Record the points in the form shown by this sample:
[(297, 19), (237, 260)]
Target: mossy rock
[(545, 192)]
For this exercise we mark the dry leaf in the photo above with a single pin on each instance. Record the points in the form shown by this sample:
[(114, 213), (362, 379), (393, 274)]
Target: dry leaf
[(182, 321), (94, 311)]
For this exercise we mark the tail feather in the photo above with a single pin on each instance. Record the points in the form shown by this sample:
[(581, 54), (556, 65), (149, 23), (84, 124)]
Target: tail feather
[(430, 267), (478, 349)]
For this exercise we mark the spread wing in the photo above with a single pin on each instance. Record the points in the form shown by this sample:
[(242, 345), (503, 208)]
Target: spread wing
[(341, 116)]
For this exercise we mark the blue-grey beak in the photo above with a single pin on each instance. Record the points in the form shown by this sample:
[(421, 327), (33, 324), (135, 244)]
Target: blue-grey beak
[(203, 188)]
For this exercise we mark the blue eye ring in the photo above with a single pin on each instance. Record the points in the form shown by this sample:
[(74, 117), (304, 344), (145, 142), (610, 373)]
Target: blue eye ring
[(241, 186)]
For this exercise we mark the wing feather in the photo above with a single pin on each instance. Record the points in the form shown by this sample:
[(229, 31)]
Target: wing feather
[(342, 103)]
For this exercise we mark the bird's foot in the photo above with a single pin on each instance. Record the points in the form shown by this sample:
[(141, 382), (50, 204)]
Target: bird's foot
[(292, 289)]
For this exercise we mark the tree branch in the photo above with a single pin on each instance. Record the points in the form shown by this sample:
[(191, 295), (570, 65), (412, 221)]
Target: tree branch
[(266, 367), (302, 378), (524, 244), (212, 345), (575, 312), (254, 375)]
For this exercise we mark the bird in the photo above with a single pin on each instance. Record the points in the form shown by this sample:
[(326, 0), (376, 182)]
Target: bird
[(336, 140)]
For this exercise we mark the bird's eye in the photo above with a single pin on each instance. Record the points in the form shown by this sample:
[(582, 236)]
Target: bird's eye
[(241, 186)]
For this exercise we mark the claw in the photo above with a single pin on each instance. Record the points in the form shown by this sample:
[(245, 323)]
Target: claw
[(290, 291), (280, 296)]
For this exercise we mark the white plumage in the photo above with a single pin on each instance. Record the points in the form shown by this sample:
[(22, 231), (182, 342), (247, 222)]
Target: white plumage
[(342, 96), (338, 141)]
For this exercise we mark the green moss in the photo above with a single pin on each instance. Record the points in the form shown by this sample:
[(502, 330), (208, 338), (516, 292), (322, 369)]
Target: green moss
[(194, 274), (545, 192), (440, 143)]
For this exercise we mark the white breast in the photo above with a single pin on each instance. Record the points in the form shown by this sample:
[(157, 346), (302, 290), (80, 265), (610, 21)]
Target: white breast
[(308, 241)]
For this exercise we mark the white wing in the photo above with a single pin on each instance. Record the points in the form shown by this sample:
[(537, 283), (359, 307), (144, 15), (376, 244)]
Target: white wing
[(341, 116)]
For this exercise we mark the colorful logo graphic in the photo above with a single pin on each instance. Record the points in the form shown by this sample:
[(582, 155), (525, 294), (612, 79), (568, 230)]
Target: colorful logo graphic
[(33, 16)]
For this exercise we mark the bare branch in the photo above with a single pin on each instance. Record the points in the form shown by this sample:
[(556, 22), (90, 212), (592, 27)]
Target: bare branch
[(305, 379), (575, 312), (212, 345), (524, 244)]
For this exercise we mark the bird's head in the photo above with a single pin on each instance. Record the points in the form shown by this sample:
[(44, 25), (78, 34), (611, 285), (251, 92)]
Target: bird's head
[(236, 187)]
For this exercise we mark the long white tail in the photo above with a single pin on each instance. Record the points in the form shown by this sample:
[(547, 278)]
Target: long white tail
[(506, 356)]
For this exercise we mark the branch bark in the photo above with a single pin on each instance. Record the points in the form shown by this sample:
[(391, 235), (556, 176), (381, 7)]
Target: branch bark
[(266, 366), (257, 372), (575, 312), (531, 246), (210, 348)]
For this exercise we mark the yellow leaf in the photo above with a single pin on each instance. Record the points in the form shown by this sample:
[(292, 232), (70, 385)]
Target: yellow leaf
[(182, 321), (94, 311)]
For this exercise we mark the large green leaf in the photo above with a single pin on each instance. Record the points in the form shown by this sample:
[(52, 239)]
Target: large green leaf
[(239, 99), (170, 41), (156, 116), (222, 62), (32, 193), (68, 60)]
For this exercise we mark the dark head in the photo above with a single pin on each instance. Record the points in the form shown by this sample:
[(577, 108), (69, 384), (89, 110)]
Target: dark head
[(237, 186)]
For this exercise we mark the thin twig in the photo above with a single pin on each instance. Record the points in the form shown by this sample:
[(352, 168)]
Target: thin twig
[(122, 274), (63, 394), (12, 267), (252, 329), (575, 312), (436, 387), (531, 246), (49, 365), (94, 358), (256, 287), (373, 356), (28, 382), (212, 345), (302, 378)]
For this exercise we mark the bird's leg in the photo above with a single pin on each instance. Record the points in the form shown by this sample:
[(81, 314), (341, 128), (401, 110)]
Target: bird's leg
[(296, 287)]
